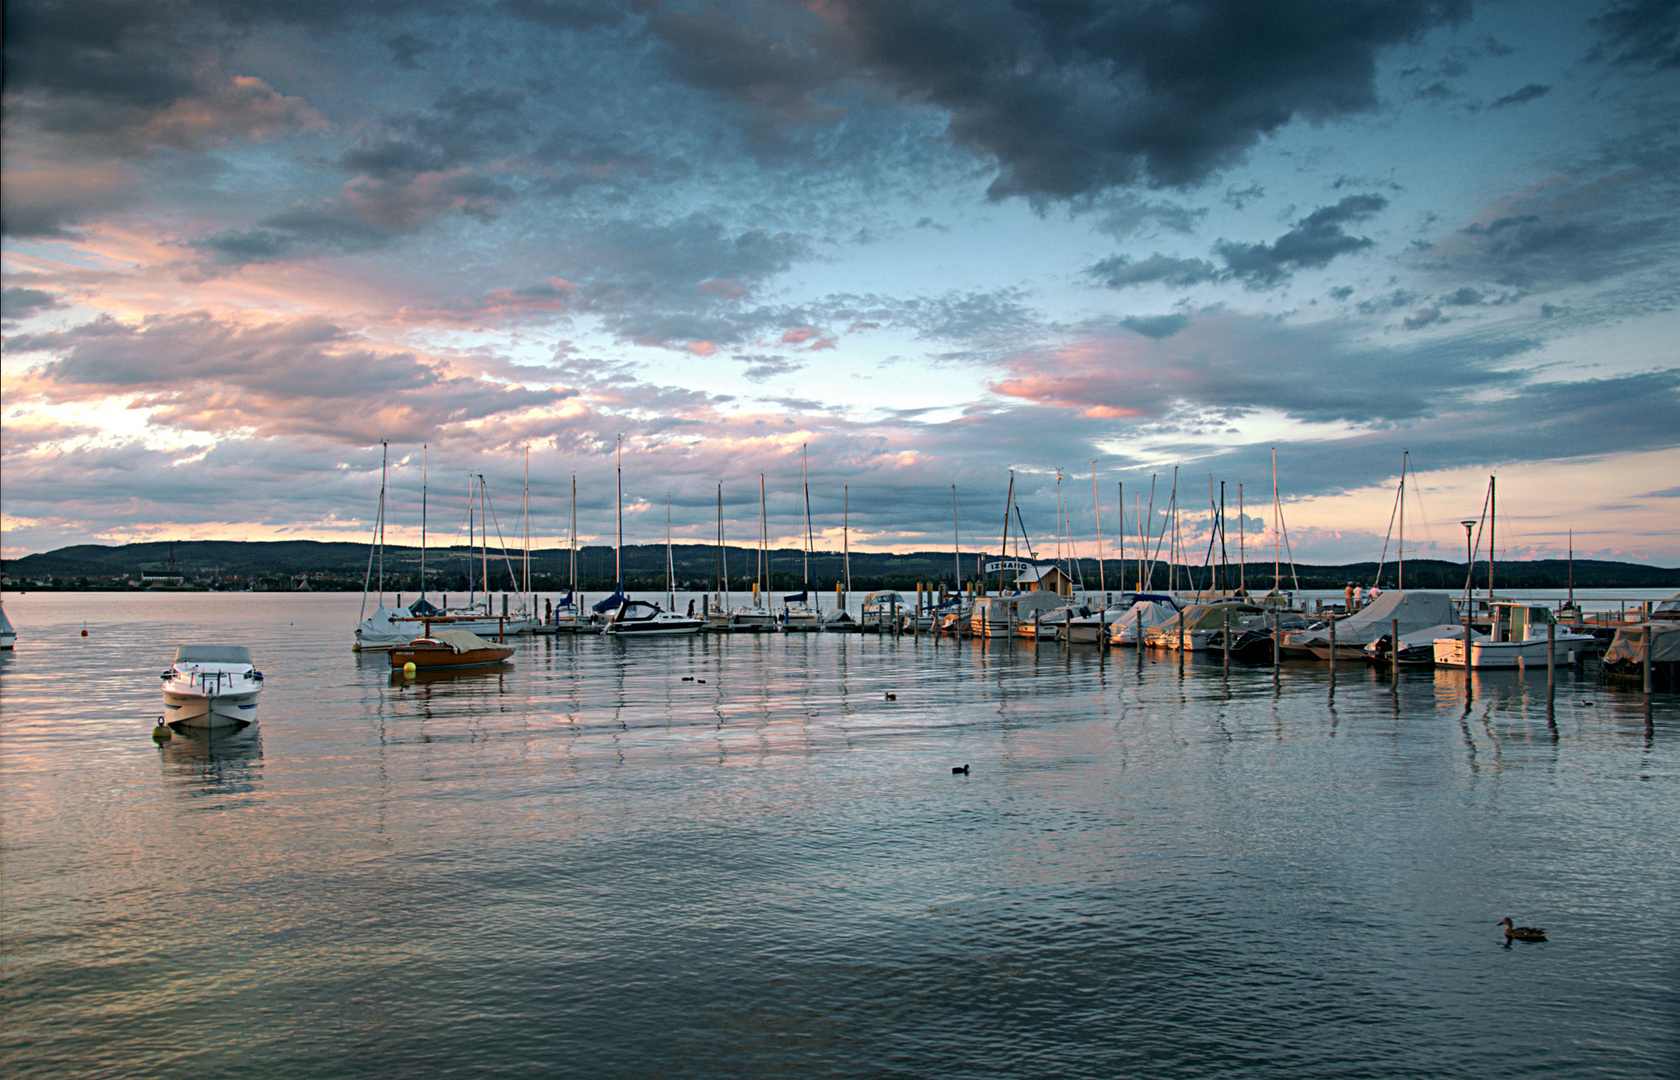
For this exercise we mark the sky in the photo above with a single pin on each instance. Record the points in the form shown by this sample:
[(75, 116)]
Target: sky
[(900, 254)]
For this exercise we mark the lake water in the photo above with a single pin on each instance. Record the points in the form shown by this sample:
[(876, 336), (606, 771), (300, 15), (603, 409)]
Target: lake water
[(735, 857)]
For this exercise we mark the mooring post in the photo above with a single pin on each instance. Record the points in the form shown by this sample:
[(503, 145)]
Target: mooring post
[(1648, 644), (1226, 638), (1551, 658)]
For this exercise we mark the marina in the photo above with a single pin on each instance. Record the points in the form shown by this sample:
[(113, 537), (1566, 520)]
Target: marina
[(749, 854)]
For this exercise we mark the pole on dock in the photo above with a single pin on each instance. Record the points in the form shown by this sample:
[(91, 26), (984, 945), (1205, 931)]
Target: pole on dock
[(1551, 658), (1226, 638), (1648, 644), (1332, 649)]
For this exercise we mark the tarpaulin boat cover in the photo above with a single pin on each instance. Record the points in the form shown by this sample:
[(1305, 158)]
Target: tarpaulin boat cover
[(1628, 647), (611, 602), (1141, 617), (462, 640), (1415, 610), (423, 608)]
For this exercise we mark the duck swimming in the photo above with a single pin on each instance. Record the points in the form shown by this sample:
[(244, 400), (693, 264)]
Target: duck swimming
[(1521, 933)]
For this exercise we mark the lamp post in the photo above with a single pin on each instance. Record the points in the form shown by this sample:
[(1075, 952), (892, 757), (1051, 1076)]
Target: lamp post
[(1469, 568)]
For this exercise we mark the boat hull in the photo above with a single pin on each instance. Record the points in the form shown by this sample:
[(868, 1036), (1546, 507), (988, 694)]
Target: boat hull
[(214, 711), (1485, 655), (443, 659)]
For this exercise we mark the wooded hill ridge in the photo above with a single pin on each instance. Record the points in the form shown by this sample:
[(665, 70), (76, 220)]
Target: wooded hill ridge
[(287, 564)]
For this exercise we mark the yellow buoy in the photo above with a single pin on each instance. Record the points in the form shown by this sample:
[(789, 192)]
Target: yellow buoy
[(409, 668), (162, 733)]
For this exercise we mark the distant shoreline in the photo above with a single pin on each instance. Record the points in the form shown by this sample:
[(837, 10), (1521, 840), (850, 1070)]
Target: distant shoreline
[(289, 565)]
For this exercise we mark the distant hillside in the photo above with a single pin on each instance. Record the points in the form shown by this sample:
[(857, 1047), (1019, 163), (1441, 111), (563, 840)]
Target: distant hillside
[(287, 564)]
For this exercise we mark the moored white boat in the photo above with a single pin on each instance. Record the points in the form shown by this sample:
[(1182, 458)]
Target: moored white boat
[(1517, 636), (8, 636), (640, 618), (211, 686)]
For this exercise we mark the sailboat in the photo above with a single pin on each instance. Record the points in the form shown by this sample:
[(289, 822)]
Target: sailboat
[(642, 618), (717, 615), (798, 611), (568, 617), (840, 620), (385, 628), (379, 630), (755, 615)]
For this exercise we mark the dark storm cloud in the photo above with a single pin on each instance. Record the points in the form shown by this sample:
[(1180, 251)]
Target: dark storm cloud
[(1156, 326), (1073, 98), (1639, 34), (1527, 93), (1119, 271), (1313, 242)]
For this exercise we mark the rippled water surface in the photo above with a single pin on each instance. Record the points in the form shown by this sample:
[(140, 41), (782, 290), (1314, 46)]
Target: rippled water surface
[(736, 857)]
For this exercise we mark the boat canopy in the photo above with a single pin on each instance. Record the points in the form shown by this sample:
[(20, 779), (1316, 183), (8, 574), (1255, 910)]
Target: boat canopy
[(795, 598), (424, 608), (462, 640), (1414, 610), (212, 654), (611, 602)]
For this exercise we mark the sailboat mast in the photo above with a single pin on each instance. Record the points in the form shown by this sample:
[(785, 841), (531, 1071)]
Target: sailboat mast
[(1120, 508), (1277, 532), (1493, 516), (804, 479), (472, 579), (618, 496), (1400, 550), (956, 543), (527, 589), (573, 589), (1096, 508), (670, 570), (1242, 546), (484, 542), (1008, 504), (723, 557), (846, 538), (423, 463), (384, 459), (763, 537)]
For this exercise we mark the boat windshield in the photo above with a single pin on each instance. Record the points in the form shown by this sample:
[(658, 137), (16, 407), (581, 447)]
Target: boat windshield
[(212, 654)]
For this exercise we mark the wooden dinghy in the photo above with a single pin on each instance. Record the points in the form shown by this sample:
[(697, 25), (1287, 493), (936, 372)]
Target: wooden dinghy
[(449, 649)]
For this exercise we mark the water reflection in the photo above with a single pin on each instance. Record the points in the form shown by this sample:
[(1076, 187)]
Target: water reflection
[(200, 764)]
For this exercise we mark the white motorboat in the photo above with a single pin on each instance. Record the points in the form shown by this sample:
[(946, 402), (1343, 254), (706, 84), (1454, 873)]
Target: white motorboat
[(211, 686), (1517, 636), (640, 618)]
